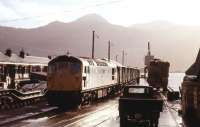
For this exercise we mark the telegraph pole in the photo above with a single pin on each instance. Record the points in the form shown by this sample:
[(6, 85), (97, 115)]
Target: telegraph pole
[(93, 32), (149, 50), (116, 57), (147, 59), (109, 50), (68, 53), (123, 57)]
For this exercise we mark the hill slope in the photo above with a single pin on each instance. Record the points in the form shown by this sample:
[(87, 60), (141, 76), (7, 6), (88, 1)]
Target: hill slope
[(175, 43)]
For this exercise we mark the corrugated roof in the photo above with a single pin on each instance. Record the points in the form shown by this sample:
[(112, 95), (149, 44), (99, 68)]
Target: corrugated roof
[(36, 60), (15, 59), (3, 58), (27, 60)]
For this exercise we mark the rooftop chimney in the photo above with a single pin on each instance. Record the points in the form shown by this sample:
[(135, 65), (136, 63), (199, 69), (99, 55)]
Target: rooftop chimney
[(22, 53), (49, 57), (8, 52)]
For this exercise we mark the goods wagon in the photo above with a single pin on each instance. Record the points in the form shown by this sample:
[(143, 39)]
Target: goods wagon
[(158, 72)]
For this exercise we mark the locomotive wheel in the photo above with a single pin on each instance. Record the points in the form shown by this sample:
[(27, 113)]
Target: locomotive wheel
[(86, 99), (154, 123), (151, 123), (94, 96)]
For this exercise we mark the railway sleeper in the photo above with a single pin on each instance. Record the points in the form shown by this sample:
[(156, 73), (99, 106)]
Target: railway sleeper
[(18, 104)]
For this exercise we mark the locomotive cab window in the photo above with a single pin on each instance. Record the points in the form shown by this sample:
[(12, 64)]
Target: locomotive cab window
[(113, 77), (87, 69), (51, 69), (75, 68), (84, 80), (113, 71)]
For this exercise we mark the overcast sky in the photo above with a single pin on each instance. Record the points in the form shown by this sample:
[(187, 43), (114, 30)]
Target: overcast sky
[(33, 13)]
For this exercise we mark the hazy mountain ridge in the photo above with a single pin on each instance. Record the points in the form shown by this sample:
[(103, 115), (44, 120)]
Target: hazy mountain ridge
[(176, 43)]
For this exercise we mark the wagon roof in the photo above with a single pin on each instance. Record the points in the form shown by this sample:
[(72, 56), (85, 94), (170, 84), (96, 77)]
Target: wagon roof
[(100, 62)]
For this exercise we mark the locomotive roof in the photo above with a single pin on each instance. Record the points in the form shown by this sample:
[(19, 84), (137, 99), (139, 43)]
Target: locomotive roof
[(86, 61), (99, 62), (64, 58)]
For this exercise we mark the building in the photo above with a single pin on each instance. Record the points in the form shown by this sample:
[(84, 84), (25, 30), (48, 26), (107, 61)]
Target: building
[(15, 68)]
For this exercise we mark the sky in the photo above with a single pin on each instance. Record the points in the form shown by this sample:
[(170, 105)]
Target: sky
[(34, 13)]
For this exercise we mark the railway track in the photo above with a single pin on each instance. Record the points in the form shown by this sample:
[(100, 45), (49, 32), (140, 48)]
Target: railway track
[(95, 115), (10, 117), (92, 116), (55, 117)]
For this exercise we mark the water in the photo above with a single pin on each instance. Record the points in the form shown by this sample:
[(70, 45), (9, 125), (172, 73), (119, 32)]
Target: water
[(175, 80)]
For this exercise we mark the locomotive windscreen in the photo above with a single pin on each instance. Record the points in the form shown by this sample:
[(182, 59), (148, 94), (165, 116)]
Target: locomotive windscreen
[(72, 67)]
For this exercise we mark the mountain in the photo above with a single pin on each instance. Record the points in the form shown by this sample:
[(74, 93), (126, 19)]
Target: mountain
[(177, 44), (92, 18)]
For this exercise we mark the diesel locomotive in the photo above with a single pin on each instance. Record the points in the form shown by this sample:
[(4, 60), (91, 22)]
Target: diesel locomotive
[(74, 81)]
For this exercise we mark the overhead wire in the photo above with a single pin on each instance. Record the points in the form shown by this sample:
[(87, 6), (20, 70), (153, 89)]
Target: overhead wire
[(64, 11)]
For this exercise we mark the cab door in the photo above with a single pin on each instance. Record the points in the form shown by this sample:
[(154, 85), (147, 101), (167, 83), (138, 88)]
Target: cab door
[(86, 77)]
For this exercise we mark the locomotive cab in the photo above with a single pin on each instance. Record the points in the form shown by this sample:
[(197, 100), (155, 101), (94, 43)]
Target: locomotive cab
[(64, 81)]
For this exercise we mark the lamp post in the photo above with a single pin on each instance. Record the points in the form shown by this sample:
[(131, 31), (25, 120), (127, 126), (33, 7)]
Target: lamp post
[(93, 32)]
